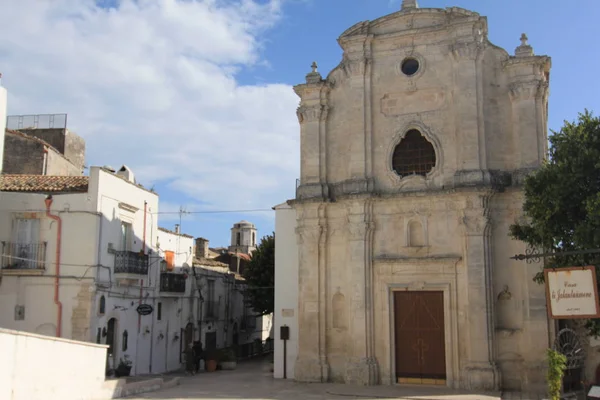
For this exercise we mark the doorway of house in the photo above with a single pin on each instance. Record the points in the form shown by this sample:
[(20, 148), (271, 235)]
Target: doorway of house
[(419, 337), (111, 341)]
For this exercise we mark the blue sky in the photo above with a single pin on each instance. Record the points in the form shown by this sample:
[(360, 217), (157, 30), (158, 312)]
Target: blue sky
[(196, 98)]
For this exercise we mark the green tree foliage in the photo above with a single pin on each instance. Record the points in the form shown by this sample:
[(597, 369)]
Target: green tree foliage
[(260, 276), (557, 363), (562, 199)]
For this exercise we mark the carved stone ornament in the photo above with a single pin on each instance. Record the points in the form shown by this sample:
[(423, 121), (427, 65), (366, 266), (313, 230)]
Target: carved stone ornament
[(308, 235), (358, 230), (354, 68), (466, 51), (417, 285), (310, 113), (524, 90), (474, 224)]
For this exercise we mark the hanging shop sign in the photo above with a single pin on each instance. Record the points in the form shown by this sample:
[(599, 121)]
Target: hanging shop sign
[(572, 293), (144, 309)]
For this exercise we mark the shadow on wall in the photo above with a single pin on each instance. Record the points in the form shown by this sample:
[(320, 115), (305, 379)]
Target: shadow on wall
[(135, 297)]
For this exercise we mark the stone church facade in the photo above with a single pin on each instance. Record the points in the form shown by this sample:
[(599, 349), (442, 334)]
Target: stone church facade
[(413, 152)]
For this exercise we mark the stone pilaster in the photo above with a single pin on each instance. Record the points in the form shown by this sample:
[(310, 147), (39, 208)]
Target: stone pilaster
[(311, 364), (481, 372), (81, 314), (362, 367), (468, 114), (358, 69), (527, 99), (312, 116)]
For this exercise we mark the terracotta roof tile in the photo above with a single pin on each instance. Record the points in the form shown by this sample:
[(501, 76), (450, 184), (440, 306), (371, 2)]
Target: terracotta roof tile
[(208, 262), (243, 256), (44, 183)]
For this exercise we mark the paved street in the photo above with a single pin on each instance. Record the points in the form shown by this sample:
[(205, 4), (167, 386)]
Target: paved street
[(252, 380)]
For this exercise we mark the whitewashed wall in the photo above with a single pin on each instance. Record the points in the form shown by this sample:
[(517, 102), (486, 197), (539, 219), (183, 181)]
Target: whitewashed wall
[(34, 367), (286, 288)]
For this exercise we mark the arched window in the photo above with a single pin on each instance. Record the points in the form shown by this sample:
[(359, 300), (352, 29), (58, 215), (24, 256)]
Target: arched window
[(238, 239), (102, 306), (416, 236), (414, 155), (124, 341)]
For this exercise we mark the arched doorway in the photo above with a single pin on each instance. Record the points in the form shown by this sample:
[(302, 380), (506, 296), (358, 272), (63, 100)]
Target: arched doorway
[(188, 335)]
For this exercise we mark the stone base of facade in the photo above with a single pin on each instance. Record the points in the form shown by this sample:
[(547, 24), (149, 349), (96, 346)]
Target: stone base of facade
[(362, 371), (311, 370), (482, 377)]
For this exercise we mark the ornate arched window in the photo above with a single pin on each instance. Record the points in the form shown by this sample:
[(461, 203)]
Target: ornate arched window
[(414, 155)]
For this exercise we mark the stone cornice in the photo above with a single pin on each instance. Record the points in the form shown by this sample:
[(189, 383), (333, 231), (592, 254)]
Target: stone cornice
[(544, 62), (429, 259)]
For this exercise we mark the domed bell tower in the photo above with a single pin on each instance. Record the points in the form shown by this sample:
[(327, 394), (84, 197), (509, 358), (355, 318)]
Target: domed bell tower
[(243, 237)]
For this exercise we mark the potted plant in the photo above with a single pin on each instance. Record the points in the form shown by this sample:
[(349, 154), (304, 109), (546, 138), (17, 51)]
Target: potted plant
[(228, 359), (212, 360), (124, 367)]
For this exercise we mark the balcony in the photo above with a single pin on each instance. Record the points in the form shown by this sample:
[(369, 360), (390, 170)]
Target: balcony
[(172, 283), (23, 257), (131, 263), (212, 309)]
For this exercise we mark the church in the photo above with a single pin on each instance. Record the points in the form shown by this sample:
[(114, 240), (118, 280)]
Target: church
[(414, 150)]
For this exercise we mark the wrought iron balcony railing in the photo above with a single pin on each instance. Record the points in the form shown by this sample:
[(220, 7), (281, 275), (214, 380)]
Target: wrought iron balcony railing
[(172, 282), (131, 262), (23, 255)]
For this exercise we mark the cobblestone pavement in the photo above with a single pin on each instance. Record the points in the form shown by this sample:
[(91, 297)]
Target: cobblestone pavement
[(253, 380)]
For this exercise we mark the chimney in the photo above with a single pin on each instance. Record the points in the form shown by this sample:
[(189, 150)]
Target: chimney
[(201, 248), (177, 230)]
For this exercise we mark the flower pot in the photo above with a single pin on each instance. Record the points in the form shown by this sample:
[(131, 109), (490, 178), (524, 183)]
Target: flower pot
[(123, 370), (211, 365)]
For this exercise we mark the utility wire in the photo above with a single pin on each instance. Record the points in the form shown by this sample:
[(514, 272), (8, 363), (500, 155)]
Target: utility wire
[(88, 267), (214, 211), (165, 212)]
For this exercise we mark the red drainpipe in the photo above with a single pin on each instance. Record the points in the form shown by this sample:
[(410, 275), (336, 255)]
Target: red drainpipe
[(48, 202)]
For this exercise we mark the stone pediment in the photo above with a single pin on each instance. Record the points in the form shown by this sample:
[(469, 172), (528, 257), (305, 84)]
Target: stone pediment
[(409, 20)]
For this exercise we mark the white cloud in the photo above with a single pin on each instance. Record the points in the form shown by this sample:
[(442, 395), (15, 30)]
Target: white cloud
[(152, 84)]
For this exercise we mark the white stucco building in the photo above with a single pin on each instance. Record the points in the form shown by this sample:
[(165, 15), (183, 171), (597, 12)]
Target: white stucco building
[(76, 259), (286, 290), (3, 114), (413, 154)]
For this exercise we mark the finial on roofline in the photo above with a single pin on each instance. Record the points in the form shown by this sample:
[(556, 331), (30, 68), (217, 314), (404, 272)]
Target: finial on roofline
[(314, 76), (408, 4), (524, 50)]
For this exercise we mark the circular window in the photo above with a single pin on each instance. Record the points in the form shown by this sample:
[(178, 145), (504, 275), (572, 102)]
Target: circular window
[(410, 66), (414, 155)]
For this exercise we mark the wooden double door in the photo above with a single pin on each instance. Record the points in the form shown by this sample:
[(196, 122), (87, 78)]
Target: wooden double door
[(419, 337)]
